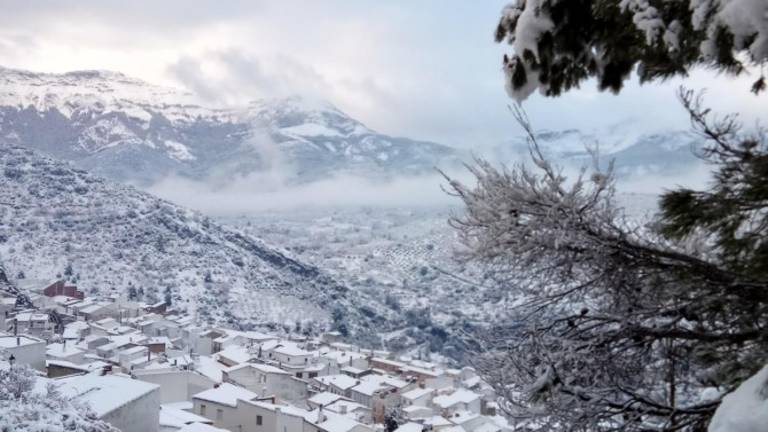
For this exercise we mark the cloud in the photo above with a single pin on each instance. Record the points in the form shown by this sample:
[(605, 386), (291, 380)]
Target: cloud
[(427, 70), (235, 77), (252, 194)]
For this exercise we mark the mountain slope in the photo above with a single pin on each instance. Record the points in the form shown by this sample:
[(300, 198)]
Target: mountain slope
[(128, 130), (56, 219), (634, 154)]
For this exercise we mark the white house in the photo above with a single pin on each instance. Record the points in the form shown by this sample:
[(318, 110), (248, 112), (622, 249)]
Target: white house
[(336, 360), (174, 418), (25, 350), (290, 354), (127, 404), (132, 357), (459, 400), (266, 380), (33, 323), (339, 384), (175, 385), (420, 396), (67, 352), (220, 405)]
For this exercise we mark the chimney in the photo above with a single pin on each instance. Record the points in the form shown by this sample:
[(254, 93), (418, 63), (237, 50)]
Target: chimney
[(18, 340), (343, 409), (320, 414)]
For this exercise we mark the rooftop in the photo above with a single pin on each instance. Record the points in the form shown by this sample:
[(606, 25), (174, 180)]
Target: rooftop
[(226, 394), (10, 341), (105, 393)]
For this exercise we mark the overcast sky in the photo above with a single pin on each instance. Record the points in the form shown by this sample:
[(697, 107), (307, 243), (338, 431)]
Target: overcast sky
[(426, 69)]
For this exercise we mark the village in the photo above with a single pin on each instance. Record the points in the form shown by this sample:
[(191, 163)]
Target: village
[(149, 368)]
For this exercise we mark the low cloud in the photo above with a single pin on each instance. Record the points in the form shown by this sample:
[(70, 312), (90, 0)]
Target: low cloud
[(258, 193)]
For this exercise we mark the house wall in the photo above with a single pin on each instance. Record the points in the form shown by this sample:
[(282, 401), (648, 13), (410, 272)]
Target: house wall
[(230, 418), (55, 371), (141, 415), (32, 354), (283, 386), (175, 385), (441, 382), (243, 418)]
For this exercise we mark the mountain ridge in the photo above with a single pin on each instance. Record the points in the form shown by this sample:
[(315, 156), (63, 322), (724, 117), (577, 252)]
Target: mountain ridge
[(128, 130)]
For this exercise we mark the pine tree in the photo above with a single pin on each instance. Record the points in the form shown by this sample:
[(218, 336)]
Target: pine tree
[(621, 326), (559, 44)]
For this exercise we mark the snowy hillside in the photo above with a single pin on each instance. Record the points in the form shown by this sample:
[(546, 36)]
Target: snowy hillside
[(55, 220), (128, 130)]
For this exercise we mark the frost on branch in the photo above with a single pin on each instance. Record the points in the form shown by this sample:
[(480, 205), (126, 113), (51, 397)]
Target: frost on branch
[(558, 44), (619, 325), (25, 408)]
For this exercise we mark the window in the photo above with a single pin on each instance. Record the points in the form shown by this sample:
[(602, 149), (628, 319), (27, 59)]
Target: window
[(202, 409), (219, 414), (313, 374), (298, 374), (258, 420)]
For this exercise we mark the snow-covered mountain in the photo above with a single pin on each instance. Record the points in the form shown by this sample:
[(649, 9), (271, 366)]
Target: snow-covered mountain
[(56, 219), (635, 154), (129, 130)]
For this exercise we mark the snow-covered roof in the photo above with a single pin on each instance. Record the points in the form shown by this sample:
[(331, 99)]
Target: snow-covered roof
[(459, 396), (134, 350), (31, 316), (324, 398), (461, 417), (332, 422), (258, 366), (488, 426), (410, 427), (9, 341), (210, 368), (236, 353), (353, 370), (291, 350), (342, 382), (417, 393), (370, 384), (343, 356), (437, 421), (92, 308), (200, 427), (105, 393), (66, 364), (349, 405), (226, 394), (77, 325), (62, 350), (417, 410), (108, 323), (172, 416)]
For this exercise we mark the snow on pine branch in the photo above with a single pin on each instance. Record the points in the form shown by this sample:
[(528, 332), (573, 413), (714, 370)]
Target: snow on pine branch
[(557, 44)]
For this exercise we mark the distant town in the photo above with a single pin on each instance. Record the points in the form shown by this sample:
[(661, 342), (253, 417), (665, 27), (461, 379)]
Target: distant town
[(150, 368)]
